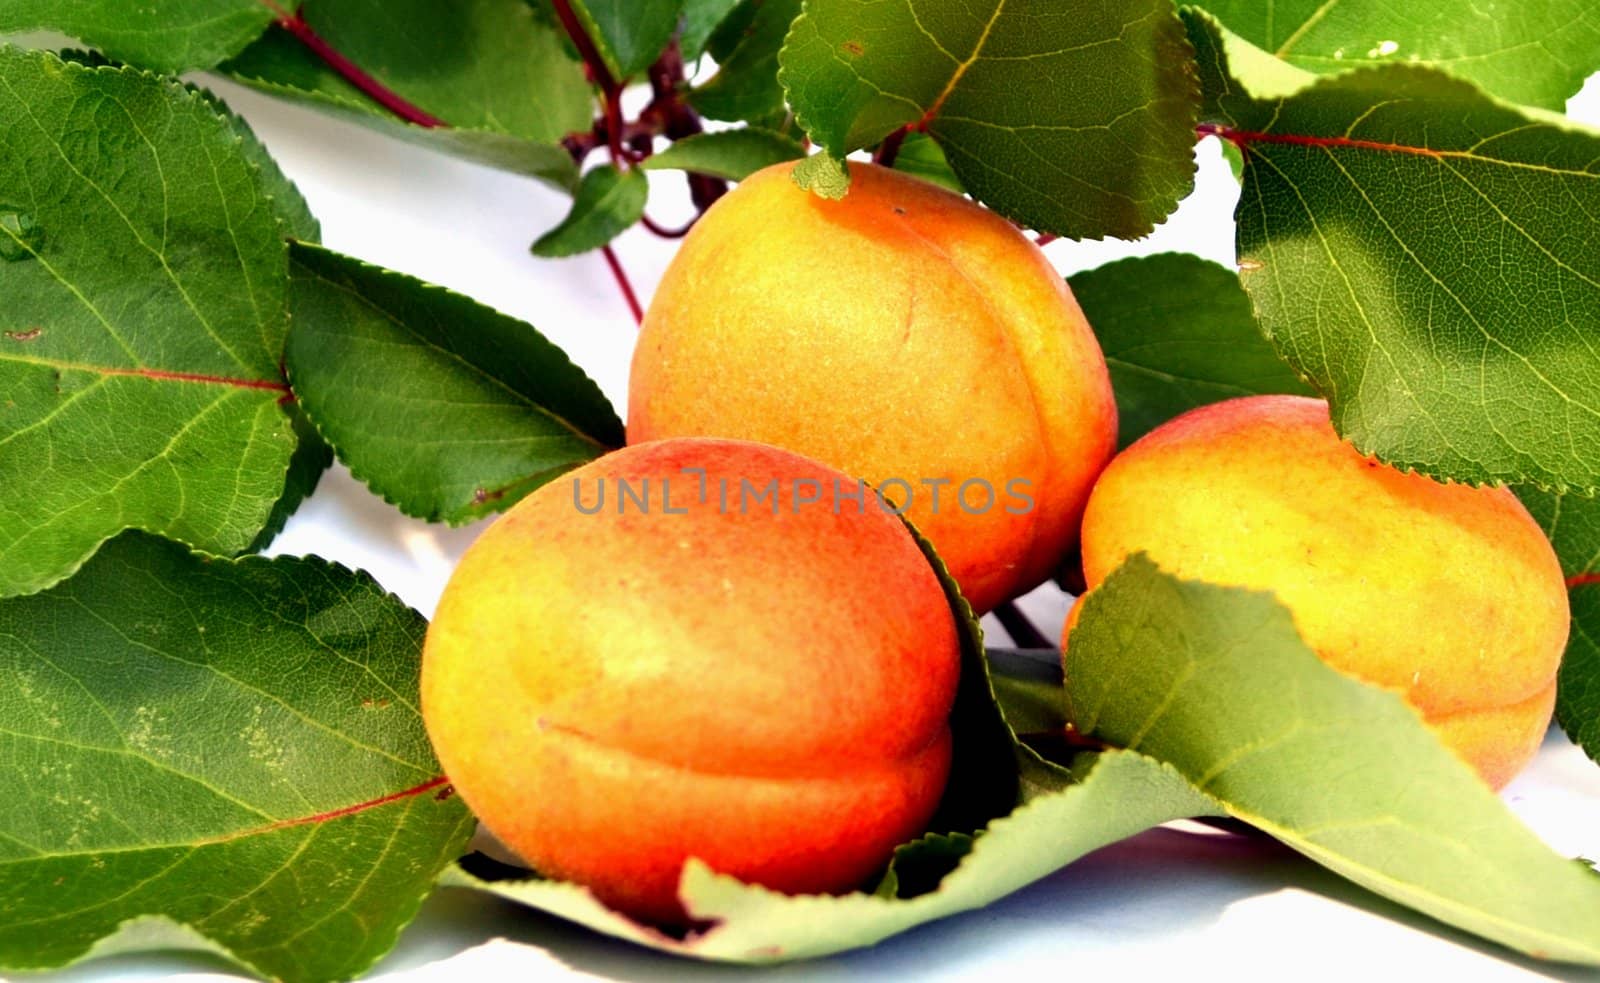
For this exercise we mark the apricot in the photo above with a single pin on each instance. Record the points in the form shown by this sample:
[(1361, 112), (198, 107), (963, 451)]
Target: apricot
[(1445, 593), (903, 334), (763, 682)]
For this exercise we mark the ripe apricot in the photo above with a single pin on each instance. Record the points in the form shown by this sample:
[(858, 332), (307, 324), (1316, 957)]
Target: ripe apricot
[(1448, 594), (761, 682), (903, 334)]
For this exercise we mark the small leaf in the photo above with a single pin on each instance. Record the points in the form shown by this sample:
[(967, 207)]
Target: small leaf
[(1215, 682), (1537, 53), (920, 155), (143, 318), (172, 36), (730, 154), (700, 19), (1177, 333), (215, 753), (1573, 524), (1424, 256), (499, 76), (630, 34), (446, 408), (746, 84), (608, 203), (824, 175), (1072, 119)]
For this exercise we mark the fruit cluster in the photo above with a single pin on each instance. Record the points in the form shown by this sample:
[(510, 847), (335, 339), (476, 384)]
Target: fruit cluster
[(617, 682)]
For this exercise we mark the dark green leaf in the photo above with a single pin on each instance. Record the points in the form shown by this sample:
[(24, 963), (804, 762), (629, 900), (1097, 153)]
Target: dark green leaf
[(446, 408), (1424, 255), (920, 155), (1573, 524), (1073, 119), (700, 19), (1536, 52), (1215, 682), (746, 84), (1177, 332), (143, 273), (607, 204), (630, 34), (311, 458), (500, 76), (215, 753), (731, 154), (172, 36)]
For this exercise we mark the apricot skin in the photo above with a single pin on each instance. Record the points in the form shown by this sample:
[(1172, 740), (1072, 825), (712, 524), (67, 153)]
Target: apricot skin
[(902, 332), (614, 694), (1448, 594)]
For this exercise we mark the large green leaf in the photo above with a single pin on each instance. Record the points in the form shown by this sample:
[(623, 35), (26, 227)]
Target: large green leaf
[(1573, 524), (607, 203), (1122, 794), (170, 36), (746, 85), (730, 154), (446, 408), (630, 34), (1536, 52), (1075, 119), (227, 754), (1425, 256), (1177, 332), (1215, 682), (142, 317), (501, 77)]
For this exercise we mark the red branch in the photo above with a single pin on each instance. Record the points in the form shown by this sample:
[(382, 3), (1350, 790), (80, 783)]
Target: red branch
[(376, 91), (889, 149), (1243, 138), (664, 232), (1582, 580), (623, 283)]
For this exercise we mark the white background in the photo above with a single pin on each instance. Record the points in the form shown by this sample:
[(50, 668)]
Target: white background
[(1167, 904)]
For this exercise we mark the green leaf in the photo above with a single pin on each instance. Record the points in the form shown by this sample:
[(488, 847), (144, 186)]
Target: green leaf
[(172, 36), (500, 76), (144, 277), (700, 19), (746, 85), (215, 753), (1122, 794), (920, 156), (1537, 52), (730, 154), (607, 204), (446, 408), (1423, 254), (1177, 332), (630, 34), (311, 458), (1215, 682), (1573, 524), (1072, 119), (823, 174)]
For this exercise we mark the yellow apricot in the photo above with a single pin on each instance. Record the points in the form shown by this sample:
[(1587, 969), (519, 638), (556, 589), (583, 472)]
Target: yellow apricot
[(763, 683), (1448, 594), (903, 334)]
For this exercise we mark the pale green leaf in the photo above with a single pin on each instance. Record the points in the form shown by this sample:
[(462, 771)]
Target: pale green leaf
[(1215, 682), (823, 174)]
